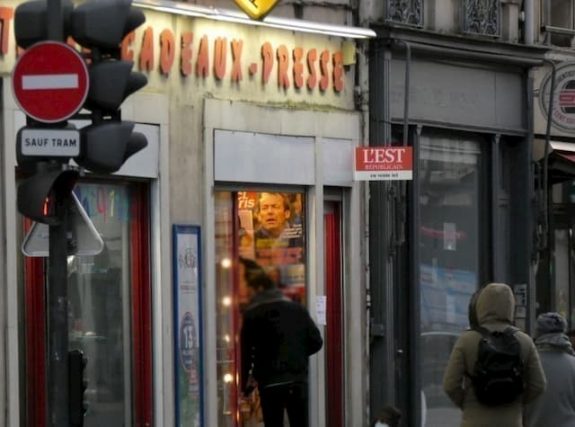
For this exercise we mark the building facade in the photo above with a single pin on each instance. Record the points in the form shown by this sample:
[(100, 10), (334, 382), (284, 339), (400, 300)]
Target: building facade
[(233, 113), (469, 86)]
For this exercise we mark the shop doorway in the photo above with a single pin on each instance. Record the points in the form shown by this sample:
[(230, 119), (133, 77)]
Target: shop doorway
[(334, 345), (109, 311), (268, 227), (556, 284)]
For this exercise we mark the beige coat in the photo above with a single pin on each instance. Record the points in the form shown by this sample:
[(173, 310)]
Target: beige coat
[(495, 307)]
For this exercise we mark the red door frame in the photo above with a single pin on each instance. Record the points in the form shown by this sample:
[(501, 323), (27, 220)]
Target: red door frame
[(35, 320), (35, 338), (141, 307), (334, 341)]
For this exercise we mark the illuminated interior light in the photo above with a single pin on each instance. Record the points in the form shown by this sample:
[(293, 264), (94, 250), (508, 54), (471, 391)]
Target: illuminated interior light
[(46, 206), (227, 301), (226, 15), (228, 378), (226, 263)]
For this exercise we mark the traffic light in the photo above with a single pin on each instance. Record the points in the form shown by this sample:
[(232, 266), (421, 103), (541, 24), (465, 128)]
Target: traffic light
[(30, 21), (38, 195), (45, 146), (100, 26), (77, 387)]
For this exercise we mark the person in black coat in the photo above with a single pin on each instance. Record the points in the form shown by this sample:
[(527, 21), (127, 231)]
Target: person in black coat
[(277, 338)]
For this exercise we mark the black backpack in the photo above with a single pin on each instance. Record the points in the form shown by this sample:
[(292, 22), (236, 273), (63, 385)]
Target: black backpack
[(498, 373)]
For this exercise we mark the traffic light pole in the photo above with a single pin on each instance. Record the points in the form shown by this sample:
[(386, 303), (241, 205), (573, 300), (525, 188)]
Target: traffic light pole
[(55, 20), (57, 330), (57, 293)]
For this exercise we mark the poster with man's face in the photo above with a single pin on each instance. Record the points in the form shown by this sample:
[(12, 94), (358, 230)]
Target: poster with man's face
[(271, 232)]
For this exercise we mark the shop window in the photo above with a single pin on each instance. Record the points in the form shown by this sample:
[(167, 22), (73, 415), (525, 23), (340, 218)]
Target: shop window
[(268, 227), (450, 215), (109, 310)]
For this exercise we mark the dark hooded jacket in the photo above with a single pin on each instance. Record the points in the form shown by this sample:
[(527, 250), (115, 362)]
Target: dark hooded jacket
[(495, 307), (278, 336), (555, 407)]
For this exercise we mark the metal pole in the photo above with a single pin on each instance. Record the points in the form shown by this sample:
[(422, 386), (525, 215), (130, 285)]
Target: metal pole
[(55, 20), (57, 330), (57, 301)]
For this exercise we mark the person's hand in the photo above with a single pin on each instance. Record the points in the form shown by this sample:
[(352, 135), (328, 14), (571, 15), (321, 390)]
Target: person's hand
[(250, 386)]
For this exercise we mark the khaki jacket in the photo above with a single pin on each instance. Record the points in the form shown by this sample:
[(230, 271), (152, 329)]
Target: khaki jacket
[(495, 307)]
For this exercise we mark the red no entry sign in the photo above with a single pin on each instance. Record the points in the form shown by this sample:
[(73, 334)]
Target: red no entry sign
[(50, 82)]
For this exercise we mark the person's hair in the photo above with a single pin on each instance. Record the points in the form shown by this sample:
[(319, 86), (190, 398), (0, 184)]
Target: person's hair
[(390, 415), (472, 309), (284, 197), (255, 275)]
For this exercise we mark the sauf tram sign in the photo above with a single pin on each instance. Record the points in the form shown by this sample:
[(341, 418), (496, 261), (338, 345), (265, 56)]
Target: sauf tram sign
[(383, 164)]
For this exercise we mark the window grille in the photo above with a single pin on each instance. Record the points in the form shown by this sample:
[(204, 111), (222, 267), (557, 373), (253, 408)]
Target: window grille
[(408, 12), (482, 17)]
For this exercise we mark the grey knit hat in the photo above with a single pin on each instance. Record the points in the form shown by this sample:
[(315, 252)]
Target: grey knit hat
[(549, 323)]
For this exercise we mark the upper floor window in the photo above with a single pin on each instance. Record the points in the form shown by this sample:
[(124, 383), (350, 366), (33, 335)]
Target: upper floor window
[(558, 22)]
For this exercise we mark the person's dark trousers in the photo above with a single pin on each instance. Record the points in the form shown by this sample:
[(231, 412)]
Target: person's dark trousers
[(291, 397)]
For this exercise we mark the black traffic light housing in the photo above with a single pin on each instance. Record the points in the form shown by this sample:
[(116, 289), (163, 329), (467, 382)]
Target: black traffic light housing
[(38, 195), (51, 181), (31, 24), (101, 25)]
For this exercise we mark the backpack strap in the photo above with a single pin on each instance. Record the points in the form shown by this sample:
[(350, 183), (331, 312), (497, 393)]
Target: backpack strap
[(486, 332)]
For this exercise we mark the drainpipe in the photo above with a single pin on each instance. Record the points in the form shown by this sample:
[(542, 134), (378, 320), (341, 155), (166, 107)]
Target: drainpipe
[(364, 93), (528, 16), (545, 233), (407, 218), (545, 180), (406, 91)]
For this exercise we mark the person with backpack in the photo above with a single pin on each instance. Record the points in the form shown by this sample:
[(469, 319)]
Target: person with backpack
[(555, 407), (494, 369)]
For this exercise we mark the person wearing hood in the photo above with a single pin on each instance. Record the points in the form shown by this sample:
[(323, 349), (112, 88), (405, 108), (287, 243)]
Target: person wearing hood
[(277, 338), (494, 309), (555, 407)]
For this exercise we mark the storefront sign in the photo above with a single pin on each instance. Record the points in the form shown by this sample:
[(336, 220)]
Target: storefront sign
[(222, 58), (192, 50), (383, 163)]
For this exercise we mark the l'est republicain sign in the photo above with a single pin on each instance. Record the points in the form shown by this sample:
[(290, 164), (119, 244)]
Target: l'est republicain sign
[(203, 55), (383, 164)]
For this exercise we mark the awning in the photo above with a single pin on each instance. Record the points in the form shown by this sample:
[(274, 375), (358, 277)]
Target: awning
[(561, 157)]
